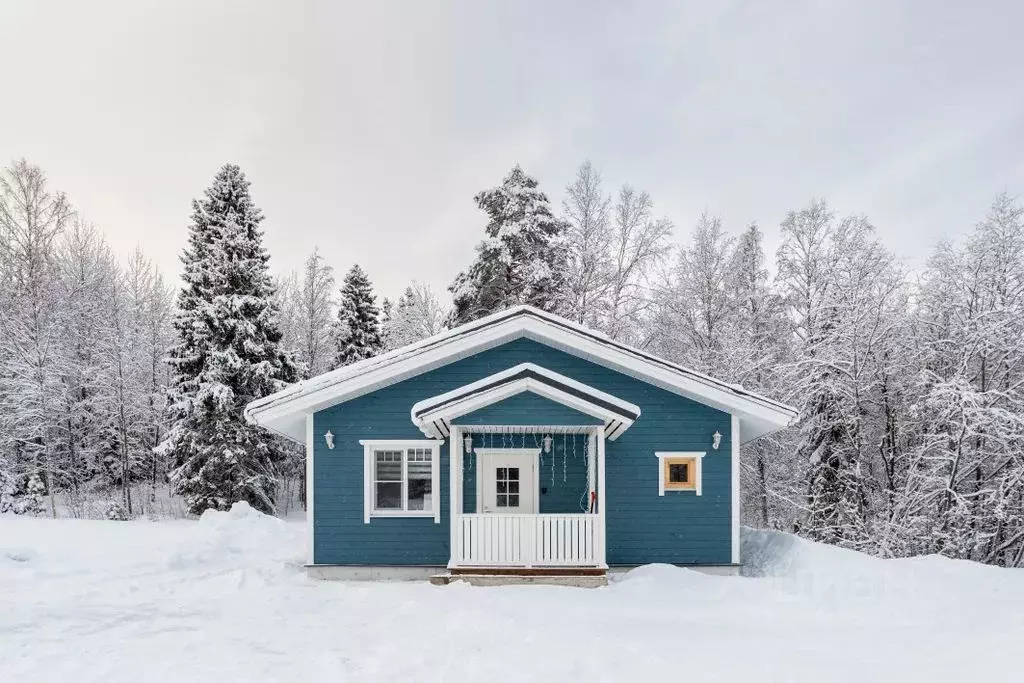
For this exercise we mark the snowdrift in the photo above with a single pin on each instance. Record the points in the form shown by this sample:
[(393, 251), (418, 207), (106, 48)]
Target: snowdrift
[(223, 598)]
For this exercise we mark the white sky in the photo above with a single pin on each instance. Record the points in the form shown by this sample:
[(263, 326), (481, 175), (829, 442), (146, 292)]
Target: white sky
[(366, 127)]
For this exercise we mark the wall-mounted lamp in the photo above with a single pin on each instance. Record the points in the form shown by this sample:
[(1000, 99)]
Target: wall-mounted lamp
[(329, 438), (467, 444), (547, 444), (716, 440)]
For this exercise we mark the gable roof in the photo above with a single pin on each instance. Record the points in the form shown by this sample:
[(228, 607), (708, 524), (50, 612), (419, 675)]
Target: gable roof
[(284, 411), (434, 415)]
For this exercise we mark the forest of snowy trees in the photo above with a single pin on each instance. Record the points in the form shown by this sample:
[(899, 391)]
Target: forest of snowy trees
[(116, 388)]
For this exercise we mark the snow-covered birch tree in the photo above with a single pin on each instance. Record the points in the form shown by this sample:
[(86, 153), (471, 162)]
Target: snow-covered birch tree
[(417, 315), (32, 219)]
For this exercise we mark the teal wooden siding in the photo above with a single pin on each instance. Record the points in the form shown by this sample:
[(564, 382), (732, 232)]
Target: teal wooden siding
[(642, 527)]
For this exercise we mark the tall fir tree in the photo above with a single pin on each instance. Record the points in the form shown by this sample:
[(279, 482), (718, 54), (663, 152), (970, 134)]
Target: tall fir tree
[(522, 258), (228, 353), (358, 332)]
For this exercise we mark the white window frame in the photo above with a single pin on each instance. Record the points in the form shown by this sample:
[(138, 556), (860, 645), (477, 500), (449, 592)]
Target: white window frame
[(370, 446), (698, 473)]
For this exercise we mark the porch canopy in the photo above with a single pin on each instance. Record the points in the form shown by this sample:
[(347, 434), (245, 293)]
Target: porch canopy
[(434, 415)]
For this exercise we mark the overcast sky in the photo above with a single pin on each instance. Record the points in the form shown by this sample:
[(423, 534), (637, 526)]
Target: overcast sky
[(367, 127)]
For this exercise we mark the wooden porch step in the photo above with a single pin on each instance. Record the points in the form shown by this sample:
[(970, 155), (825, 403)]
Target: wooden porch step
[(578, 577), (529, 571)]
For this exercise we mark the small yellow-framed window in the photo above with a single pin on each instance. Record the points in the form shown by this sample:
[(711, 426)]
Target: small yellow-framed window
[(680, 474), (679, 471)]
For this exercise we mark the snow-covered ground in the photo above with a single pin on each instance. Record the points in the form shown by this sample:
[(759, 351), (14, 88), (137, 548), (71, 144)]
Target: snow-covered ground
[(224, 599)]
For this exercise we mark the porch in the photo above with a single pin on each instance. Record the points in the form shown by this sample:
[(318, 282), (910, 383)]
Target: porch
[(501, 514), (501, 522)]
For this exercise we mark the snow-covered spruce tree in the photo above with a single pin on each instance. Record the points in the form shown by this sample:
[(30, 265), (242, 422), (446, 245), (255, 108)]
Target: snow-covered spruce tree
[(522, 258), (228, 353), (357, 334)]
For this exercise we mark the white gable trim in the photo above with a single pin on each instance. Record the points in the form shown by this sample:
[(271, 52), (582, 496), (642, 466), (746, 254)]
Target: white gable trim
[(434, 415), (283, 411)]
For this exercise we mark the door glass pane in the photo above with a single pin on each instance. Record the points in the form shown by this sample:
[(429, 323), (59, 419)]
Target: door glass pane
[(506, 487)]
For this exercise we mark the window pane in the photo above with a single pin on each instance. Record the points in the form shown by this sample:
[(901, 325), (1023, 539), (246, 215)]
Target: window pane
[(513, 473), (513, 487), (388, 466), (501, 486), (502, 473), (679, 473), (389, 495), (502, 501), (513, 501), (420, 494)]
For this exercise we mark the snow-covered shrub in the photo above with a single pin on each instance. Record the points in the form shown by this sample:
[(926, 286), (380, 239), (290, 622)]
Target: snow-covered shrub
[(115, 511), (26, 499)]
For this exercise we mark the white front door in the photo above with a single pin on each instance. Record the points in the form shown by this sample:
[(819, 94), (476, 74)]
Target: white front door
[(508, 479)]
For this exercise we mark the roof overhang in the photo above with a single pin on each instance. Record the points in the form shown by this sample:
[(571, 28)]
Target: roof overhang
[(285, 412), (434, 415)]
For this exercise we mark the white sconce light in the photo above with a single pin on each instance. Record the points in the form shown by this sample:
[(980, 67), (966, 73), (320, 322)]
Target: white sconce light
[(329, 438), (716, 440), (547, 444), (467, 444)]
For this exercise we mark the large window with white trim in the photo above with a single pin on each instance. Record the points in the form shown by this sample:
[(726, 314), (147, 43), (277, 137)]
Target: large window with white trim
[(402, 479)]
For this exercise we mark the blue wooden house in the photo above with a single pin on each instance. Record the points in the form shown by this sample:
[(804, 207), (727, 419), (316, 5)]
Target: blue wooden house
[(519, 444)]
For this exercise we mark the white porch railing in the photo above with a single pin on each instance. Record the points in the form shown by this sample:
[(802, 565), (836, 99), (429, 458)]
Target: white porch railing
[(556, 540)]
